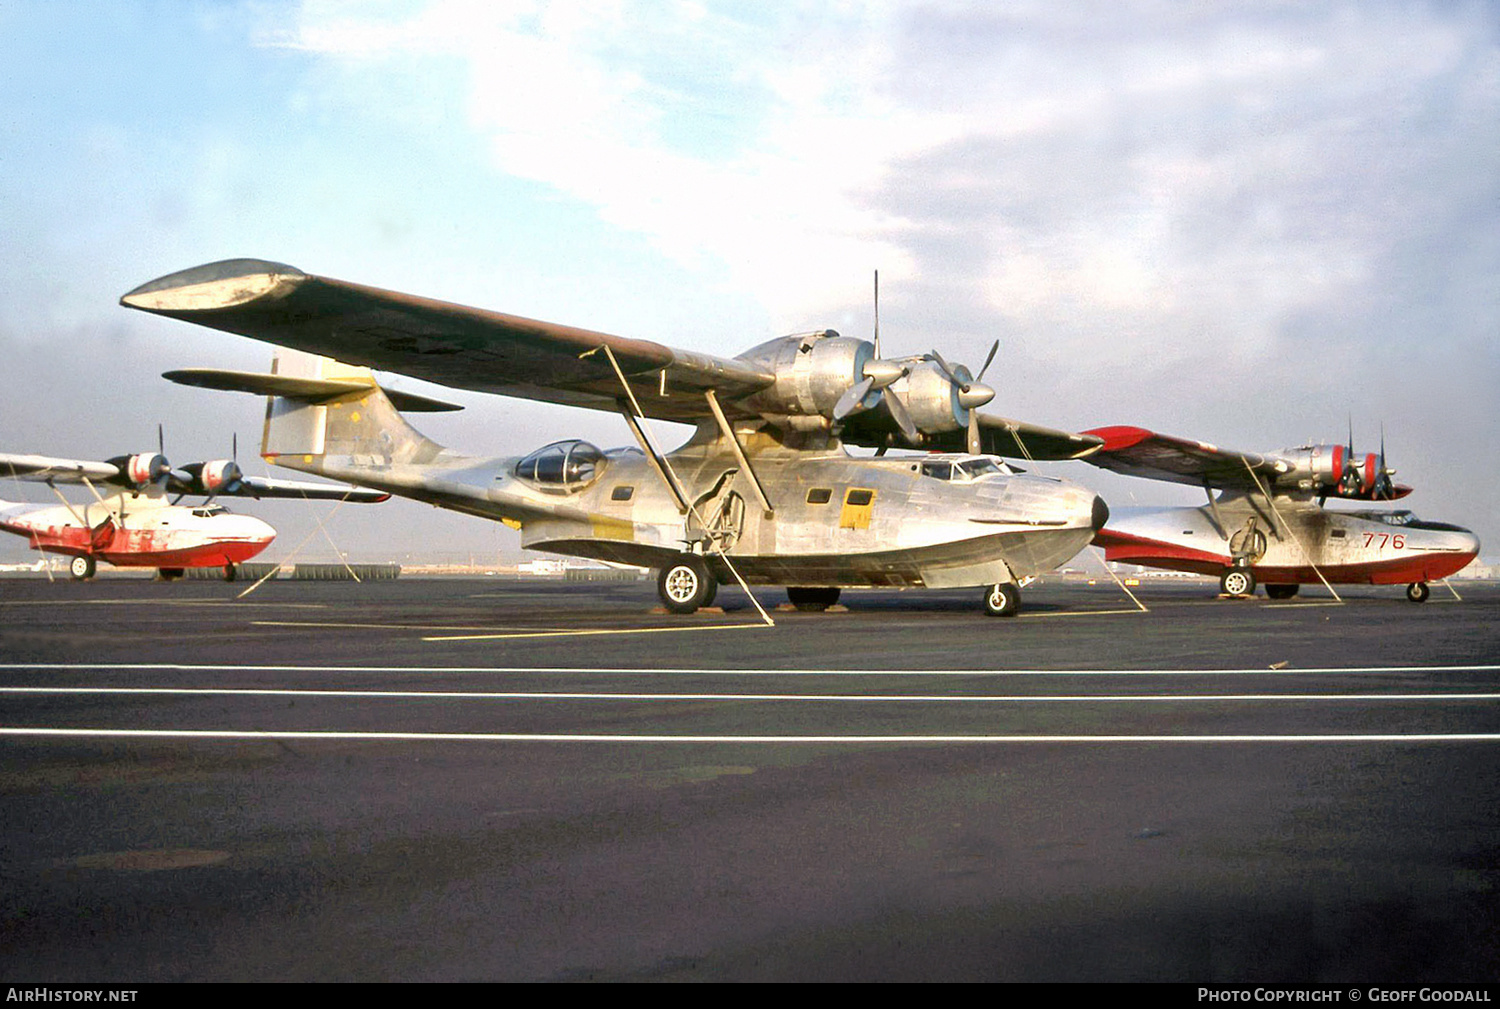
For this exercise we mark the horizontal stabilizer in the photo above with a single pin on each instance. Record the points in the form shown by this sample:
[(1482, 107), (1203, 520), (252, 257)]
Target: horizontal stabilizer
[(313, 390)]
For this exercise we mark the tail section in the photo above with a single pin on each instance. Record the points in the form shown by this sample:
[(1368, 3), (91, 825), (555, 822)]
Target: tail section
[(355, 430)]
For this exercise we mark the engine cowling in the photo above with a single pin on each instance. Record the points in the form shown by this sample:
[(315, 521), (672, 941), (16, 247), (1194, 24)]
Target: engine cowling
[(812, 371), (142, 469), (1333, 470), (932, 401), (217, 476)]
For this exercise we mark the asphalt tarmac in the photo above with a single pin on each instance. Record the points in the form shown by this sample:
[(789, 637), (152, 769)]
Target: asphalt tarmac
[(455, 779)]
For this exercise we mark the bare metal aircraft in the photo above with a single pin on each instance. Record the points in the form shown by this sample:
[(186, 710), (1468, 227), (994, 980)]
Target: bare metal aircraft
[(1269, 523), (764, 491), (131, 523)]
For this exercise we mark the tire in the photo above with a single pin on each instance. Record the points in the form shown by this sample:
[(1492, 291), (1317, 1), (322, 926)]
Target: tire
[(170, 574), (1282, 591), (685, 584), (82, 568), (812, 600), (231, 572), (1418, 592), (1003, 599), (1237, 582)]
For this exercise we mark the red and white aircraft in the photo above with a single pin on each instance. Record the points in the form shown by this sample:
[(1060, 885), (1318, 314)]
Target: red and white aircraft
[(1268, 523), (131, 523)]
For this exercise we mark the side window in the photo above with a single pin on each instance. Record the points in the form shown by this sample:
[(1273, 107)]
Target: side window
[(820, 495), (622, 493)]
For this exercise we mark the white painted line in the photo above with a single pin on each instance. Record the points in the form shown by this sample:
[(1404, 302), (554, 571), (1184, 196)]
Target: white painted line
[(537, 737), (703, 671), (546, 695)]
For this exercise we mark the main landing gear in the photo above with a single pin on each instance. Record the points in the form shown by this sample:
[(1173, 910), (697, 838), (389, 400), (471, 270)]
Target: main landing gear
[(170, 574), (231, 572), (686, 584), (1282, 591), (1002, 599), (1418, 592), (81, 568), (1237, 582)]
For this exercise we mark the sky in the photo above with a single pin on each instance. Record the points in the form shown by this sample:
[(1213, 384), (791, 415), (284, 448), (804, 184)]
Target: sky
[(1253, 224)]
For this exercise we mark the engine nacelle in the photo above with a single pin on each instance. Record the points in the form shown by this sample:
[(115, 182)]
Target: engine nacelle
[(812, 371), (931, 400), (1332, 470), (214, 477), (141, 469)]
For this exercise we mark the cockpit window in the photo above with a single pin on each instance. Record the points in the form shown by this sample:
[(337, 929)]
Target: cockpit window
[(209, 511), (563, 465), (978, 467), (972, 468)]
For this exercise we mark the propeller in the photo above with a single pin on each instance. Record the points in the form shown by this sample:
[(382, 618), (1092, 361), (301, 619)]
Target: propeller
[(972, 393), (1385, 488), (877, 374), (1350, 483)]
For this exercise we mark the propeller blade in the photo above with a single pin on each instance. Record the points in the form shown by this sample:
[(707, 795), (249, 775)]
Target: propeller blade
[(945, 369), (852, 398), (899, 415), (988, 358), (974, 444)]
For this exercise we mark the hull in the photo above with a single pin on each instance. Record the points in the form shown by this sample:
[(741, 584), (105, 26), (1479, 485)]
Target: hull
[(1347, 548), (153, 536)]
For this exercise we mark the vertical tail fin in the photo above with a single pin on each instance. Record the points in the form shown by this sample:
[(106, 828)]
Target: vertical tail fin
[(354, 431)]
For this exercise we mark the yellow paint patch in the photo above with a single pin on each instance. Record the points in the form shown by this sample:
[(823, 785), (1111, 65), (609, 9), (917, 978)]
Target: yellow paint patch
[(608, 528), (354, 416), (511, 522), (859, 502)]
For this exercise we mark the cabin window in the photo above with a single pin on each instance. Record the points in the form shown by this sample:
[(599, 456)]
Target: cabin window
[(622, 493), (1337, 534), (820, 495), (859, 498), (938, 470)]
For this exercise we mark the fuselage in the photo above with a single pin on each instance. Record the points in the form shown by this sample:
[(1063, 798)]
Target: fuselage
[(140, 530), (937, 521), (1291, 544)]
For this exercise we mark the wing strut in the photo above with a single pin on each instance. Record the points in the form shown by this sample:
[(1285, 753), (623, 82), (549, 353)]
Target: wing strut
[(657, 462), (630, 408), (1311, 563), (739, 452), (1213, 506)]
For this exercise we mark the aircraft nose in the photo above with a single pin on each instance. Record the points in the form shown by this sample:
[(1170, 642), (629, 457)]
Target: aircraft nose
[(1100, 513)]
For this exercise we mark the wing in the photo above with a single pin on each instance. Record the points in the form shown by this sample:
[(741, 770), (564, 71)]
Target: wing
[(464, 348), (1013, 439), (1135, 451), (265, 487), (1016, 439), (40, 467)]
